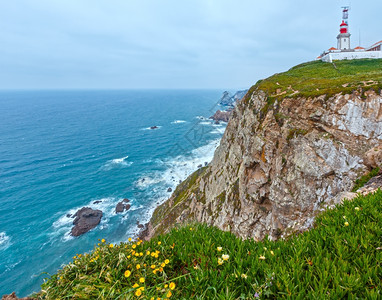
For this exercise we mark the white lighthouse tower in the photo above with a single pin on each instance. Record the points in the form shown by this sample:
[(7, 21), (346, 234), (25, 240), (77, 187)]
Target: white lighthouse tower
[(343, 39)]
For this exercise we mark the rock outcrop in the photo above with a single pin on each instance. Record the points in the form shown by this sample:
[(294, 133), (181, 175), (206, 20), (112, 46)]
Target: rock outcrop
[(221, 116), (278, 163), (14, 297), (85, 220)]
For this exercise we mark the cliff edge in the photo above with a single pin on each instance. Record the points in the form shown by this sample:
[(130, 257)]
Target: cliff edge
[(294, 142)]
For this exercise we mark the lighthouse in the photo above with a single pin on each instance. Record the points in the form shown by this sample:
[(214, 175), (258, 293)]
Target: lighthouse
[(343, 50), (343, 39)]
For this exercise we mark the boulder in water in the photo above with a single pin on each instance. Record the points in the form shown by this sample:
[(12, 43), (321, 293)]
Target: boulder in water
[(85, 220)]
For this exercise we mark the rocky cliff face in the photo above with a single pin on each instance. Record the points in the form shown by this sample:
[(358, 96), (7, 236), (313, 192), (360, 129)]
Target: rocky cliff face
[(279, 161)]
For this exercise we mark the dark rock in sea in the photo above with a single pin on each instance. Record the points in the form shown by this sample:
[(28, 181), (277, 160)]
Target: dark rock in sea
[(200, 166), (221, 116), (169, 190), (217, 122), (139, 225), (98, 201), (205, 164), (120, 207), (86, 219), (154, 127), (68, 215)]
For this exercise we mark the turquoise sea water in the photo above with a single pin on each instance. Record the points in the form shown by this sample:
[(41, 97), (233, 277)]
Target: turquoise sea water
[(63, 150)]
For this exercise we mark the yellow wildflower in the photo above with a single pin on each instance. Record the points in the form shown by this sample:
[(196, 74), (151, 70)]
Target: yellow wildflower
[(166, 286), (262, 257), (225, 256), (169, 294), (148, 253), (129, 239), (166, 261), (160, 269), (103, 240), (152, 266), (111, 245), (346, 223), (220, 261), (220, 249), (134, 246), (127, 273), (163, 265), (141, 280), (159, 243), (356, 208), (135, 285), (138, 266), (172, 285), (272, 252), (138, 293), (244, 276)]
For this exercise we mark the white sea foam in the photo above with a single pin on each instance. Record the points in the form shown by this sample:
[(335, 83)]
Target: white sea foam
[(201, 118), (178, 122), (5, 241), (176, 169), (218, 130), (117, 162), (206, 123)]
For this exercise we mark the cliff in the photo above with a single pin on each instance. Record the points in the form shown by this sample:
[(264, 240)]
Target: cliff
[(293, 143)]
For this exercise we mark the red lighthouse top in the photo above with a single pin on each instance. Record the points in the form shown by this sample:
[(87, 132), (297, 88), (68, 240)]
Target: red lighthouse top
[(343, 27)]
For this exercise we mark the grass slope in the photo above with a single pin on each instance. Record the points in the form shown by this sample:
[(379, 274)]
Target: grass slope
[(318, 78), (339, 258)]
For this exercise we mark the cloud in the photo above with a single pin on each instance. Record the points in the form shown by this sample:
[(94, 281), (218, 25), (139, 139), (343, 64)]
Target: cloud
[(168, 43)]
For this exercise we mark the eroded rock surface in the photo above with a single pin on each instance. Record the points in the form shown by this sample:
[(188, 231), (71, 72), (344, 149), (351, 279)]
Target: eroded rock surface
[(277, 164)]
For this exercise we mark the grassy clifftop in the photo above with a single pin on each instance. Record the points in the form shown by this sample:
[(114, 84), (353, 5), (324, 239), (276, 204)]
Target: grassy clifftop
[(319, 78), (339, 258)]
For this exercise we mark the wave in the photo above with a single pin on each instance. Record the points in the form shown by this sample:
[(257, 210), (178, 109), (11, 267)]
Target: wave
[(5, 241), (201, 118), (178, 122), (117, 162)]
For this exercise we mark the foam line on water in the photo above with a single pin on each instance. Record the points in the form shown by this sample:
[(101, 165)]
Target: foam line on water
[(5, 241), (178, 122), (117, 162)]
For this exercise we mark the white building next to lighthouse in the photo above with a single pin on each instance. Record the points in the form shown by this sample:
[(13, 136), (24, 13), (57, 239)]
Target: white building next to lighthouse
[(344, 50)]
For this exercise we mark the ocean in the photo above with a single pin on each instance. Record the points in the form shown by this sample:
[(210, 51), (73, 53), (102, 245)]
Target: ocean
[(63, 150)]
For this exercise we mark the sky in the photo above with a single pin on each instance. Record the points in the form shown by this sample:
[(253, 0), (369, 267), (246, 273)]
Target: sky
[(168, 44)]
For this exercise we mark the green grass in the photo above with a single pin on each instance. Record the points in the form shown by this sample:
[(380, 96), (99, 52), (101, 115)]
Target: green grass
[(318, 78), (340, 258), (360, 182)]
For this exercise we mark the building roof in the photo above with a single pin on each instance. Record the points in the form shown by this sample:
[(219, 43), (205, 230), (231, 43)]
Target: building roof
[(359, 47), (376, 44), (332, 49)]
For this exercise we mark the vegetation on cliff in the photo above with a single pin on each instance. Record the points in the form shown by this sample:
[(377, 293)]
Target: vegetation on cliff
[(317, 78), (341, 257)]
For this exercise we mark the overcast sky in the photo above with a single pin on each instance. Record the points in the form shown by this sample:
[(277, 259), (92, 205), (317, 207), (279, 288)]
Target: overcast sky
[(227, 44)]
